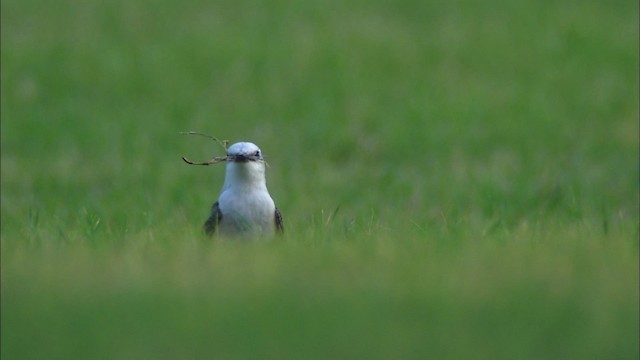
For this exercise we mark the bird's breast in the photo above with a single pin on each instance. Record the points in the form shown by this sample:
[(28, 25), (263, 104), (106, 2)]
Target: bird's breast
[(246, 210)]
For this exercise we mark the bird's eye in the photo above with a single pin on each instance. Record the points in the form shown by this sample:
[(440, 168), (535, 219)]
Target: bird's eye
[(257, 153)]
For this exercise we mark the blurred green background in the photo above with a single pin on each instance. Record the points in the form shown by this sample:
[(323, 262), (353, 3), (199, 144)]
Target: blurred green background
[(459, 179)]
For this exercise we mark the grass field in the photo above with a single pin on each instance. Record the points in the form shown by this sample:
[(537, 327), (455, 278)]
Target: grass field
[(459, 179)]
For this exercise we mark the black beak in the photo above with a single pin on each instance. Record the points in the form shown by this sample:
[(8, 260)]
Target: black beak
[(241, 158)]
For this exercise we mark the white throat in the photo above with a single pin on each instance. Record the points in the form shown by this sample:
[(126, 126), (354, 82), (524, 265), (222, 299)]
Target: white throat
[(249, 175)]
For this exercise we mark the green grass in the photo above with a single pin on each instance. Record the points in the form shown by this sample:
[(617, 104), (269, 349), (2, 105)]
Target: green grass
[(459, 179)]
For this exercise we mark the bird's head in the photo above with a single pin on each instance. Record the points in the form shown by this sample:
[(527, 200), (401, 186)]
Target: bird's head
[(245, 165), (243, 152)]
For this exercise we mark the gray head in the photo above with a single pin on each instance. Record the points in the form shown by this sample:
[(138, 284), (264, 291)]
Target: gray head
[(245, 166), (243, 152)]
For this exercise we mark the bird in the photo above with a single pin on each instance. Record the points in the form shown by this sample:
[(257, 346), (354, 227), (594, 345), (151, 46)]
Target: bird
[(244, 207)]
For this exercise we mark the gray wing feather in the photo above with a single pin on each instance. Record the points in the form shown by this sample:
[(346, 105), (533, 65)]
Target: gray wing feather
[(279, 222), (214, 219)]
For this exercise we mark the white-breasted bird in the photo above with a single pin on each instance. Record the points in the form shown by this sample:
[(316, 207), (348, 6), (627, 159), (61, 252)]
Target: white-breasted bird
[(244, 207)]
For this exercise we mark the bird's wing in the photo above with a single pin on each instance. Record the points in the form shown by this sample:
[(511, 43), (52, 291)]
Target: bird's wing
[(214, 219), (279, 224)]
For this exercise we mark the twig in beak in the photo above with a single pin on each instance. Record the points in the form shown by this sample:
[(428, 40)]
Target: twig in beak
[(222, 143), (216, 159)]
